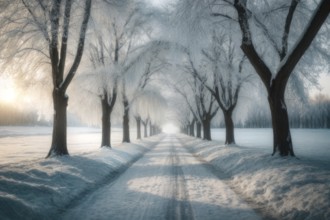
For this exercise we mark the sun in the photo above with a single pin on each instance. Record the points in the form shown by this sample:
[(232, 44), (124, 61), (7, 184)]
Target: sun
[(170, 128), (8, 93)]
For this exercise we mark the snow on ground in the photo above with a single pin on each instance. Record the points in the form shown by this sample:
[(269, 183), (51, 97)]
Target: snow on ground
[(290, 188), (308, 144), (166, 183), (38, 188), (32, 187), (28, 143)]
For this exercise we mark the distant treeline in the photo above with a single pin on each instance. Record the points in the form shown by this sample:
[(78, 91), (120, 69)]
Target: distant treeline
[(10, 115), (316, 114)]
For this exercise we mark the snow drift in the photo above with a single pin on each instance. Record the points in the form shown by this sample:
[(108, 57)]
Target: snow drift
[(287, 187), (43, 188)]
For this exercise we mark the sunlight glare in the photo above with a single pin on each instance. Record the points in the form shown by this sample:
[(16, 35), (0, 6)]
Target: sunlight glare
[(170, 128), (8, 93)]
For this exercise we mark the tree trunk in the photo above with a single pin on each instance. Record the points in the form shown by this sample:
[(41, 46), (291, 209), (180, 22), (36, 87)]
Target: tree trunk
[(138, 127), (282, 142), (59, 143), (199, 129), (192, 128), (126, 134), (106, 123), (230, 137), (150, 129), (281, 131), (145, 128), (207, 129)]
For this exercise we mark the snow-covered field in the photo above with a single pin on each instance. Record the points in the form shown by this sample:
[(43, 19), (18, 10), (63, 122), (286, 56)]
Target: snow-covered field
[(32, 187), (26, 143), (289, 188), (309, 144)]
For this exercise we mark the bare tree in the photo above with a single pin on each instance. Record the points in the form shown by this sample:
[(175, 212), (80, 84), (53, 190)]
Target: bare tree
[(204, 100), (192, 106), (222, 76), (127, 49), (57, 56), (150, 64), (196, 96), (43, 29), (106, 51), (276, 83), (227, 78), (266, 41)]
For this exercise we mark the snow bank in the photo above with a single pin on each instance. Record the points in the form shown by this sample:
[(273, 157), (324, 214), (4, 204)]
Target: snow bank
[(29, 143), (288, 187), (12, 131), (43, 188)]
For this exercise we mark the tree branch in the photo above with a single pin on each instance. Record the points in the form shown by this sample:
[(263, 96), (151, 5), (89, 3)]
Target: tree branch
[(53, 50), (80, 47), (65, 35), (291, 60), (287, 26), (247, 46)]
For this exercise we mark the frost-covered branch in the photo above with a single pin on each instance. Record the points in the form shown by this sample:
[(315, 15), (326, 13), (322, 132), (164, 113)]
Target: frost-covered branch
[(80, 47)]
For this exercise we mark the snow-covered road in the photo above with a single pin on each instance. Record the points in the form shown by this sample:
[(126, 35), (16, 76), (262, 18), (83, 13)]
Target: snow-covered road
[(162, 177), (167, 182)]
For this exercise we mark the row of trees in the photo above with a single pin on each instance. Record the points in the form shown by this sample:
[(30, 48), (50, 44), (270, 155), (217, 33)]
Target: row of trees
[(220, 46), (212, 82), (274, 36), (49, 38)]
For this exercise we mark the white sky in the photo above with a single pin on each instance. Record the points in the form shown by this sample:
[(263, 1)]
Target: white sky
[(324, 81), (159, 3)]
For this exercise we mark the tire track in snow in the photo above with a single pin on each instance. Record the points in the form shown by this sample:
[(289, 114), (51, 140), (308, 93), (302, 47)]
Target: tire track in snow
[(167, 182), (179, 206), (153, 187)]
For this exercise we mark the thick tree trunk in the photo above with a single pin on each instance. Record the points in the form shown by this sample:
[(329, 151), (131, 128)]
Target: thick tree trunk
[(192, 128), (230, 137), (126, 134), (59, 143), (198, 129), (138, 127), (207, 129), (106, 123), (282, 142), (281, 130)]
